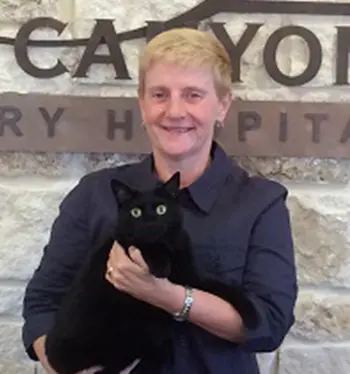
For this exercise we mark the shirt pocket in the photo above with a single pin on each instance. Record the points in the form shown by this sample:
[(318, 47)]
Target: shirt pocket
[(223, 262)]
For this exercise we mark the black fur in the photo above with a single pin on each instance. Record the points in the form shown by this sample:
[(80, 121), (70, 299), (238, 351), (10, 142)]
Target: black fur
[(97, 325)]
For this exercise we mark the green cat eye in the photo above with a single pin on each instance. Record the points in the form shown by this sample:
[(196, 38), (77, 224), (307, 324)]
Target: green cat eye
[(161, 209), (136, 212)]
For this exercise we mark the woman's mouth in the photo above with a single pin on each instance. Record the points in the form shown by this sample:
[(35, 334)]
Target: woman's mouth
[(177, 129)]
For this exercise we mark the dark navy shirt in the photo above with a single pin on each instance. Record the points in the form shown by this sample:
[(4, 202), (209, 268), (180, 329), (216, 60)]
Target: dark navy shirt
[(240, 230)]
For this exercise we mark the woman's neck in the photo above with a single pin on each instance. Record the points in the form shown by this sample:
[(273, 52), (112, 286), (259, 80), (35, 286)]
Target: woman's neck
[(190, 167)]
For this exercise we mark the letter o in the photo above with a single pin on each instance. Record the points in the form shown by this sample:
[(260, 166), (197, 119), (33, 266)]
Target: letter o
[(315, 58)]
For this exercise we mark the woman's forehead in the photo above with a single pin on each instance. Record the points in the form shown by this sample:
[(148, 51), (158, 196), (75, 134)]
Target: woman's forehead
[(172, 75)]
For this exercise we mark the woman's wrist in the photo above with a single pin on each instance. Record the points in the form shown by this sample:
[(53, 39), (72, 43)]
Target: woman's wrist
[(169, 296)]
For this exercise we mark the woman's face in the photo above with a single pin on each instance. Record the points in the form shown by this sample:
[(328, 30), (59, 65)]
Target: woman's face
[(180, 107)]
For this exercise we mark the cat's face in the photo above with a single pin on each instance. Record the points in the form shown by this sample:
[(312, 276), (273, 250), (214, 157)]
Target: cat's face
[(150, 217)]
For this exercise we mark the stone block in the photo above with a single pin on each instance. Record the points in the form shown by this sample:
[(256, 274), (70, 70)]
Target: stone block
[(16, 164), (126, 16), (14, 79), (263, 92), (324, 94), (98, 74), (322, 317), (11, 300), (285, 169), (13, 359), (96, 161), (9, 366), (62, 165), (130, 14), (324, 28), (315, 360), (26, 216), (253, 73), (332, 94), (320, 224), (23, 10), (267, 363)]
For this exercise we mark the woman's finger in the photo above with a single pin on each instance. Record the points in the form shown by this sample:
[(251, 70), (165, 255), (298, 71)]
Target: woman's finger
[(113, 279), (117, 252), (136, 256)]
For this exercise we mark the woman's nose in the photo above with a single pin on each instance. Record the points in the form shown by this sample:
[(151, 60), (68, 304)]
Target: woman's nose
[(176, 108)]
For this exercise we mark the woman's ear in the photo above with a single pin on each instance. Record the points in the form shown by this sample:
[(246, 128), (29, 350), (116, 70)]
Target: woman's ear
[(224, 106), (141, 101)]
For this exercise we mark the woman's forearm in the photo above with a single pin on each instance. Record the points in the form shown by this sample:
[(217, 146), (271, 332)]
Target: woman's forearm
[(216, 316), (208, 311)]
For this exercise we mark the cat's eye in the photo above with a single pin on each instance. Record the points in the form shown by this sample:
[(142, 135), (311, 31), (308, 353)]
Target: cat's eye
[(161, 209), (136, 212)]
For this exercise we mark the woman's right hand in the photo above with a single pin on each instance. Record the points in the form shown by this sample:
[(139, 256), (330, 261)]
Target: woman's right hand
[(92, 370), (39, 348)]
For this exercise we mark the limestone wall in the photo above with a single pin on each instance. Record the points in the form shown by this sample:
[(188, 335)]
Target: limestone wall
[(32, 185)]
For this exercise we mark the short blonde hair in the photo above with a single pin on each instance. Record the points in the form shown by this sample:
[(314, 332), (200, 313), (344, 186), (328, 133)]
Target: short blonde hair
[(188, 47)]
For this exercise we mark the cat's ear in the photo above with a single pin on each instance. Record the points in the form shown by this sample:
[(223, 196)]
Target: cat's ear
[(172, 185), (121, 191)]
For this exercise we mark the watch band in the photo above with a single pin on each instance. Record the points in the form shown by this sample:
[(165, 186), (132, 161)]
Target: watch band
[(184, 312)]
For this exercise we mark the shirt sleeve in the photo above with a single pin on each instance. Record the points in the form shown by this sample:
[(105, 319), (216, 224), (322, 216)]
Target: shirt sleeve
[(270, 277), (67, 246)]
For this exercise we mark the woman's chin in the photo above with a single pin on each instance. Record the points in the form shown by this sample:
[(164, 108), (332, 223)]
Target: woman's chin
[(176, 147), (175, 151)]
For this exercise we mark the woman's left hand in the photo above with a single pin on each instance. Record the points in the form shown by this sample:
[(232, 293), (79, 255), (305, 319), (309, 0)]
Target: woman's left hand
[(132, 275)]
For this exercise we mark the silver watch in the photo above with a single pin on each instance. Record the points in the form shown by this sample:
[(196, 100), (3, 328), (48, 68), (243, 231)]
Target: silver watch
[(184, 312)]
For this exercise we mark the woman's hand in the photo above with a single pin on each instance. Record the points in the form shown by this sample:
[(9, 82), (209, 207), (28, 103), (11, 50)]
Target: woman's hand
[(91, 370), (132, 275)]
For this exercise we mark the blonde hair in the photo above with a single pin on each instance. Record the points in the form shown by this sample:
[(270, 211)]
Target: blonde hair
[(188, 47)]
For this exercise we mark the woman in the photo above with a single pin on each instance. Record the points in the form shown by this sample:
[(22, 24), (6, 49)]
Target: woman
[(239, 225)]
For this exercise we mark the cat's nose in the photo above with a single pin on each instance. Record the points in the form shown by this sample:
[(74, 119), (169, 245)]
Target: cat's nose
[(152, 230)]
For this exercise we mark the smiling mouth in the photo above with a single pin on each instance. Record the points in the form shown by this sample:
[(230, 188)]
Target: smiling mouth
[(177, 130)]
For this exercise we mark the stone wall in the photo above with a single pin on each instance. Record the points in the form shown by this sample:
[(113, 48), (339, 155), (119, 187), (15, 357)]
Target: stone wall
[(33, 184)]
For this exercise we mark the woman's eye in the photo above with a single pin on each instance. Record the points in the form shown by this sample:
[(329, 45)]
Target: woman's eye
[(194, 96), (158, 95), (161, 209), (136, 212)]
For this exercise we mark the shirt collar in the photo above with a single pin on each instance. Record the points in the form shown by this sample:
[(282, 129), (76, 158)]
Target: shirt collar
[(140, 175), (204, 191)]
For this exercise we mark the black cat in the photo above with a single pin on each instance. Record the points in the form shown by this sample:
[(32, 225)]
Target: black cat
[(97, 325)]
